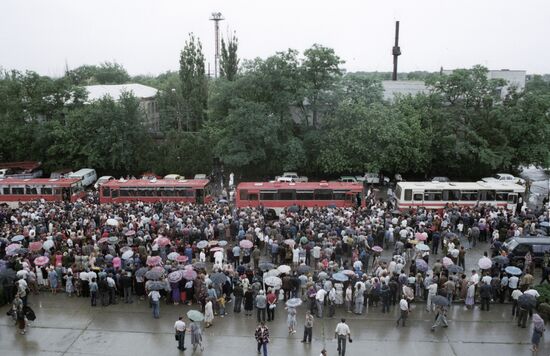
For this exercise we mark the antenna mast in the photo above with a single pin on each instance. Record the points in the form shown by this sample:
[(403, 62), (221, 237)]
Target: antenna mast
[(216, 17), (396, 51)]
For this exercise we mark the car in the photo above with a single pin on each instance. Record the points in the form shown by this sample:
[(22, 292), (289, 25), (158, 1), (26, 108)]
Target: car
[(293, 176), (102, 180), (372, 178), (504, 177), (200, 176), (440, 179), (518, 247), (348, 179), (88, 176), (173, 177)]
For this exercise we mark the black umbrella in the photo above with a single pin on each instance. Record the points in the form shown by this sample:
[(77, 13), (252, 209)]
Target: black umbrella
[(501, 260), (527, 301), (218, 278), (440, 300), (455, 269), (303, 269), (266, 266)]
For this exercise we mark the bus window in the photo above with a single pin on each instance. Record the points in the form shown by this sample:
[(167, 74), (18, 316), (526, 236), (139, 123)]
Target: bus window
[(46, 190), (340, 194), (268, 195), (501, 196), (31, 190), (123, 192), (6, 190), (398, 192), (57, 191), (17, 191), (169, 192), (287, 195), (114, 193), (323, 194), (243, 194), (433, 195), (468, 196), (418, 196), (408, 195), (304, 195), (253, 196), (451, 195), (106, 192), (487, 195)]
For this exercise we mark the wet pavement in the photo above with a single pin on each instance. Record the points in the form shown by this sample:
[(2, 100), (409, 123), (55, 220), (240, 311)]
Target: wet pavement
[(69, 326)]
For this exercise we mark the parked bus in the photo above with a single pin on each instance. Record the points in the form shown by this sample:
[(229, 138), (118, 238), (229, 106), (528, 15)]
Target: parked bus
[(435, 195), (306, 194), (196, 191), (14, 190), (87, 176)]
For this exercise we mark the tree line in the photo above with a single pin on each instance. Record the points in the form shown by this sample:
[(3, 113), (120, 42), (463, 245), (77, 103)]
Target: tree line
[(289, 111)]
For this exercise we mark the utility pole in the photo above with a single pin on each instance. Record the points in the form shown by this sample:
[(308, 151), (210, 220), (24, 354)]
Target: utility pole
[(396, 51), (216, 17)]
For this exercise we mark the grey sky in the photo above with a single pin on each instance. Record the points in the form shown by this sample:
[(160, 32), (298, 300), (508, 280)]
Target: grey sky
[(146, 36)]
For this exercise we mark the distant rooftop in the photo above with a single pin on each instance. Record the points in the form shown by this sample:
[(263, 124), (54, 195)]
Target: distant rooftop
[(402, 87), (96, 92)]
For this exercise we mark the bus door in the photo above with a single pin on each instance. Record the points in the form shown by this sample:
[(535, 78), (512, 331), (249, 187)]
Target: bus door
[(66, 194), (199, 196), (512, 201), (351, 200)]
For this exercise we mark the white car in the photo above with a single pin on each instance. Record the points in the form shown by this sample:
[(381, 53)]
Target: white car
[(504, 177)]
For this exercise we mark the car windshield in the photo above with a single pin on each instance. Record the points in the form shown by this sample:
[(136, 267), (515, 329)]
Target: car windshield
[(511, 244), (497, 176)]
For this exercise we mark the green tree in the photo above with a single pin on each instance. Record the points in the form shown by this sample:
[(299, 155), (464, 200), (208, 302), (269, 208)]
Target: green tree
[(105, 73), (320, 69), (194, 88), (229, 62)]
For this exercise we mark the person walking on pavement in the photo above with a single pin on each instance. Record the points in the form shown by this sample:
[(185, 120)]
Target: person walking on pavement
[(404, 309), (485, 293), (93, 292), (319, 301), (291, 320), (261, 305), (441, 317), (196, 335), (538, 331), (126, 283), (342, 333), (262, 337), (179, 327), (155, 302), (271, 305), (432, 292), (308, 327)]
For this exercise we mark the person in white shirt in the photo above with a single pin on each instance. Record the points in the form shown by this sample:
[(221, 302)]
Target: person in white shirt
[(404, 308), (179, 327), (341, 333), (432, 292), (514, 296), (155, 301)]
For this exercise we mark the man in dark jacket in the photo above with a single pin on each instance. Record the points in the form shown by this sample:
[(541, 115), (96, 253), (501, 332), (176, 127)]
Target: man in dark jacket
[(385, 296), (126, 284), (485, 293)]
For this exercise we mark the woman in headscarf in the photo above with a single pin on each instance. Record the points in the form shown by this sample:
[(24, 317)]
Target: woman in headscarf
[(208, 313), (196, 335)]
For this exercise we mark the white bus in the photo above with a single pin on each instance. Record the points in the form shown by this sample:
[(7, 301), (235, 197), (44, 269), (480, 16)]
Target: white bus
[(87, 176), (435, 195)]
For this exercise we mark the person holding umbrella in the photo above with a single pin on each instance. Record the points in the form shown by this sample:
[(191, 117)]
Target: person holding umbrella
[(196, 333), (179, 327), (262, 337), (291, 319), (441, 316)]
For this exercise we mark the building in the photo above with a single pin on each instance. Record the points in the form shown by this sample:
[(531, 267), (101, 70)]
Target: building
[(145, 94), (402, 87), (515, 78)]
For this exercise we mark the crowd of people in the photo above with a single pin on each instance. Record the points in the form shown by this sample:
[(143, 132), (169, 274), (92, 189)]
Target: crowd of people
[(213, 255)]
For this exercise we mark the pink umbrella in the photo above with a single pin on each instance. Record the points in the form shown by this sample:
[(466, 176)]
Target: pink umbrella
[(447, 262), (41, 261), (182, 259), (214, 249), (290, 242), (130, 233), (158, 269), (35, 246), (153, 260), (162, 241), (12, 249), (117, 262), (377, 249), (103, 240), (423, 237), (213, 243), (246, 244), (189, 274)]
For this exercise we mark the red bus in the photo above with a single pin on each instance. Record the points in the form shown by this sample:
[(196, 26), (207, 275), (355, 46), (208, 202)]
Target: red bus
[(307, 194), (21, 190), (196, 191)]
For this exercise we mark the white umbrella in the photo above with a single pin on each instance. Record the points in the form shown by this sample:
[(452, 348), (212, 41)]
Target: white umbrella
[(284, 269), (172, 256), (485, 263), (273, 281), (273, 272), (112, 222), (48, 244), (127, 255)]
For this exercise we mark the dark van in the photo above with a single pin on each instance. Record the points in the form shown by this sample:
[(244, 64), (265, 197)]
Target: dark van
[(518, 247)]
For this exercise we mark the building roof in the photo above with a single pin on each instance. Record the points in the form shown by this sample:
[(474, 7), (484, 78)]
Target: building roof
[(145, 183), (300, 185), (96, 92), (402, 87), (61, 182)]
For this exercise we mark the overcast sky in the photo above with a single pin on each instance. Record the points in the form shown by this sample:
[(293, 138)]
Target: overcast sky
[(146, 36)]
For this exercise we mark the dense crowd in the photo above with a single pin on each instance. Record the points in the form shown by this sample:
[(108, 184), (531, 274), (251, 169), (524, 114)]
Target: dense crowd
[(214, 255)]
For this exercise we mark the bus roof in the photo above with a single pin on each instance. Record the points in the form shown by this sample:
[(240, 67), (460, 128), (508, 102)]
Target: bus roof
[(480, 185), (144, 183), (300, 185), (82, 172), (61, 182)]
